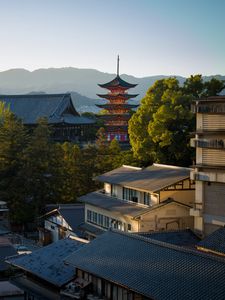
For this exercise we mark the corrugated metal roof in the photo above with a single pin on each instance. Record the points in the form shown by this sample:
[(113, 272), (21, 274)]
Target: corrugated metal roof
[(47, 262), (151, 179), (214, 242), (57, 108), (152, 268)]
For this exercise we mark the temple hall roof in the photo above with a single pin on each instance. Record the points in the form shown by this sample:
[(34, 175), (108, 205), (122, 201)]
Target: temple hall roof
[(57, 108), (117, 82)]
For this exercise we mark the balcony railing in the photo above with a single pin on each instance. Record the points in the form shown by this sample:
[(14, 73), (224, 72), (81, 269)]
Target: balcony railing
[(208, 176), (218, 108), (215, 144)]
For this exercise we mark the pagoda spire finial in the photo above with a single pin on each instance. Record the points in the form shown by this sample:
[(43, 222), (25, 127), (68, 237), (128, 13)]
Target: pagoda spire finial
[(118, 65)]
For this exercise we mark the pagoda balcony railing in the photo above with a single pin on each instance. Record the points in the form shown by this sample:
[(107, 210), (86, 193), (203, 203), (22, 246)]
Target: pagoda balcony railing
[(214, 144), (218, 108)]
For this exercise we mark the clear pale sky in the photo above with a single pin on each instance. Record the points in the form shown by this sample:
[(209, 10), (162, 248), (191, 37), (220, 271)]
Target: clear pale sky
[(152, 37)]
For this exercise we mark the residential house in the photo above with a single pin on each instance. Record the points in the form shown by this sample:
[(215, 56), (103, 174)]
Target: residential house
[(133, 199), (58, 109), (121, 265), (209, 208), (61, 222), (43, 272)]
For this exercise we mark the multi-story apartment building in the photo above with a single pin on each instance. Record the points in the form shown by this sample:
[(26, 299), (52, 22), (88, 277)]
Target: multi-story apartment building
[(209, 172), (140, 200)]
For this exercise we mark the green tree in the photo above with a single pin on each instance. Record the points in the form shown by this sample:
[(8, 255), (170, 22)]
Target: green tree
[(13, 141), (159, 130)]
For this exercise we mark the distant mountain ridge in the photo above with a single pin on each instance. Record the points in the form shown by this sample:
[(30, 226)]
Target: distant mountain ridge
[(83, 83)]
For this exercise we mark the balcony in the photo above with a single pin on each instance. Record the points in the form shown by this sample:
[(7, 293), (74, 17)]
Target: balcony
[(208, 108), (208, 176), (196, 210), (212, 144)]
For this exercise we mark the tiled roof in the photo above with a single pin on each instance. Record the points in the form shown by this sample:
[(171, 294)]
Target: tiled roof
[(215, 242), (184, 237), (152, 268), (91, 229), (112, 204), (150, 179), (73, 216), (117, 82), (47, 262), (57, 108)]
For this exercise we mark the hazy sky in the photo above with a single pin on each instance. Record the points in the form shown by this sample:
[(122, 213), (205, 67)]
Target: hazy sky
[(171, 37)]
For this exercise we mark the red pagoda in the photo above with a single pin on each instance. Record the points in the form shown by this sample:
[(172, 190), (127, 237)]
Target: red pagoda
[(118, 110)]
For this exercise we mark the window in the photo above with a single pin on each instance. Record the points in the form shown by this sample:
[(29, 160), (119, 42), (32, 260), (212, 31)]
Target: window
[(130, 195), (113, 190), (129, 227), (147, 198)]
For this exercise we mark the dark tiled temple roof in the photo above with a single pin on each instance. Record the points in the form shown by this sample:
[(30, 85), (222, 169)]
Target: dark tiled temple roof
[(215, 242), (184, 237), (152, 268), (47, 262), (117, 82), (150, 179), (57, 108)]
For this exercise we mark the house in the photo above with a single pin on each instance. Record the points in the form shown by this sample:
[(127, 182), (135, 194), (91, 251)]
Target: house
[(43, 271), (158, 197), (209, 207), (121, 265), (61, 222), (58, 109)]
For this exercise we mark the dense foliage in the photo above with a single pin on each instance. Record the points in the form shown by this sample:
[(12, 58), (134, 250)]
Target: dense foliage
[(160, 129), (34, 171)]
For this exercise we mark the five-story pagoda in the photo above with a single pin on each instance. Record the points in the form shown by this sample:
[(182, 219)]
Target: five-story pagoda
[(118, 111)]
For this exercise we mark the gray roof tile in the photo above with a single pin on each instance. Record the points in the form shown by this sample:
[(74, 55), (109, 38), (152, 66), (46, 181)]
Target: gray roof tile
[(214, 242), (47, 262), (57, 108), (152, 268), (150, 179)]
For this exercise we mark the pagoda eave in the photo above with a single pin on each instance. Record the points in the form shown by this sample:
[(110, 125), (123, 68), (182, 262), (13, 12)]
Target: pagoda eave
[(117, 96), (117, 106)]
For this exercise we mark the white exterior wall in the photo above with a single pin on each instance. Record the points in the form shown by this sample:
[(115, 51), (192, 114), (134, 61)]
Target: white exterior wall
[(53, 223), (164, 217), (112, 215)]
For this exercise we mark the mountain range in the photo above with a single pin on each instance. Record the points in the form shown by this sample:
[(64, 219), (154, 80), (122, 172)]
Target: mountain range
[(82, 83)]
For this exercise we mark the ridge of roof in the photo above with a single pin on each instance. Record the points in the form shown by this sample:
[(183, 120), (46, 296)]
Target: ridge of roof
[(170, 166), (167, 245)]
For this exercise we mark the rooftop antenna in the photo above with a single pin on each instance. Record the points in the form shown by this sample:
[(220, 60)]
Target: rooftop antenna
[(118, 65)]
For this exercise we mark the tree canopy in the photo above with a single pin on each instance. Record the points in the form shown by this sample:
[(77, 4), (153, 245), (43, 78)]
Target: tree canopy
[(160, 129)]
